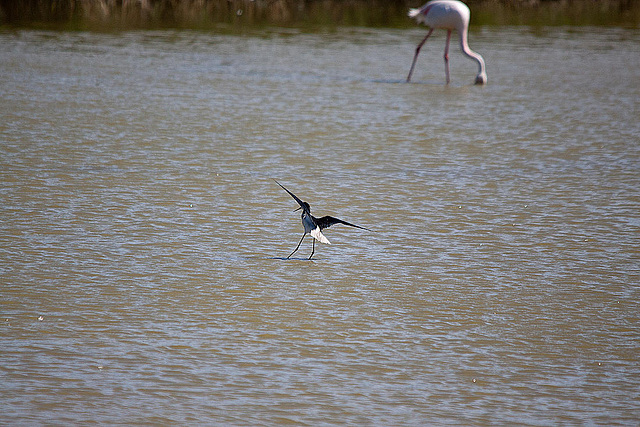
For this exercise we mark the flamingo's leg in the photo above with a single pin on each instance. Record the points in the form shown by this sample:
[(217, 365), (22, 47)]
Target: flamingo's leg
[(446, 56), (415, 57)]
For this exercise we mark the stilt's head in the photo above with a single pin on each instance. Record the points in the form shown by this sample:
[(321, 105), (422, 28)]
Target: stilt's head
[(307, 208)]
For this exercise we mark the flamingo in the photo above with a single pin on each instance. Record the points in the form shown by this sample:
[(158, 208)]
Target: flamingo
[(449, 15)]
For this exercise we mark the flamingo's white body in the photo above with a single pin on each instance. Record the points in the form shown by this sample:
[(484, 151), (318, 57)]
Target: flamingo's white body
[(448, 15)]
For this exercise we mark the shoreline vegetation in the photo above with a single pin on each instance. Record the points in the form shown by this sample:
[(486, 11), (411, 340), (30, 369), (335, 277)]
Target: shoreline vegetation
[(237, 15)]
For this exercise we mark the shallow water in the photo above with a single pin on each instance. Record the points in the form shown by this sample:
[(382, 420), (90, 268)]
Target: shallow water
[(142, 235)]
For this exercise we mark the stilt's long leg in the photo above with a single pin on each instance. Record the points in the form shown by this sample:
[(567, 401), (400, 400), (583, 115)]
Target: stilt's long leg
[(415, 57), (299, 243), (446, 56), (313, 248)]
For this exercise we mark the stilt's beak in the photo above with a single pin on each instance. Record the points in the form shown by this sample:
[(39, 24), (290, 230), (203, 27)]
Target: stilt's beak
[(295, 210)]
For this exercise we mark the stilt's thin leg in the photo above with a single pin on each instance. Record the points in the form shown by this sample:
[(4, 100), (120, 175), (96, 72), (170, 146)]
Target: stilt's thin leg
[(446, 56), (313, 248), (415, 57), (300, 242)]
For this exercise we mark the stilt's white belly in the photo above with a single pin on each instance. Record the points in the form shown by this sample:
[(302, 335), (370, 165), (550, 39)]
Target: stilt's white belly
[(317, 234)]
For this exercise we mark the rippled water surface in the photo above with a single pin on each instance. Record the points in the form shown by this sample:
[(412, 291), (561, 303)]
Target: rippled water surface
[(142, 237)]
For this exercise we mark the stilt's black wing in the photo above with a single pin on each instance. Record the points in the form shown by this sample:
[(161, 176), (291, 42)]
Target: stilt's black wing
[(328, 221), (300, 202)]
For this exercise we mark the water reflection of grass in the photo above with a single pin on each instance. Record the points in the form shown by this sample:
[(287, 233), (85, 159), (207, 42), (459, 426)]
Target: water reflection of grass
[(237, 15)]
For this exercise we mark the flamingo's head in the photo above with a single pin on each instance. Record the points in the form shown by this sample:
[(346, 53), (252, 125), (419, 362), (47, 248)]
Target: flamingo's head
[(481, 79)]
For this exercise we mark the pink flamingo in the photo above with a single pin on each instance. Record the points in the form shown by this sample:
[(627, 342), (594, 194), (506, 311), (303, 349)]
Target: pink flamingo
[(449, 15)]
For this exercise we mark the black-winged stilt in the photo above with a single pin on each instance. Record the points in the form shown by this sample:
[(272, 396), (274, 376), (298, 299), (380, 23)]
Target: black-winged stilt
[(313, 225)]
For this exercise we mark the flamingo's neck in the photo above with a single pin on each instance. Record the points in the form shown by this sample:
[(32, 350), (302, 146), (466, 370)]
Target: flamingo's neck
[(481, 78)]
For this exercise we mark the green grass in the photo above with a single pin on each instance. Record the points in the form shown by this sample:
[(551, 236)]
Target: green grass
[(239, 15)]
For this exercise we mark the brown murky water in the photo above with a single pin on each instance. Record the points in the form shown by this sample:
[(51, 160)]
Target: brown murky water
[(142, 235)]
